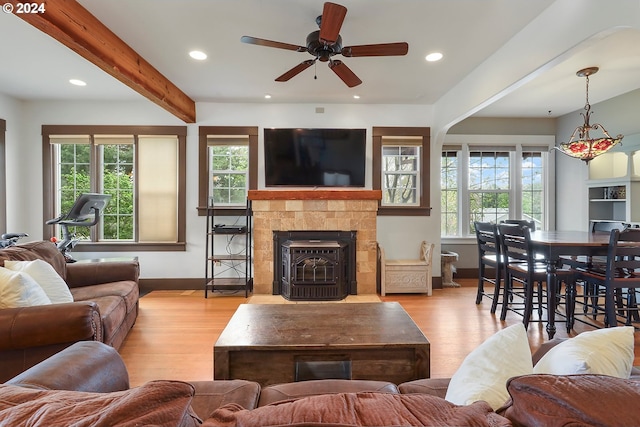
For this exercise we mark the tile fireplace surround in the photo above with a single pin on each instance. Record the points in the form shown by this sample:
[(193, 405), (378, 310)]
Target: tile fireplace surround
[(285, 210)]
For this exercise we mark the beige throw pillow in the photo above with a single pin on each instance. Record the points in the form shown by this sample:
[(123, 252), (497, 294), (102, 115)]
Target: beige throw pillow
[(606, 351), (46, 276), (18, 289), (483, 374)]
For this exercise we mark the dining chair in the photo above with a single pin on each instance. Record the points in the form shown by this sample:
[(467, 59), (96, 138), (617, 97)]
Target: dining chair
[(531, 224), (524, 222), (591, 291), (522, 267), (489, 256), (584, 261), (620, 277)]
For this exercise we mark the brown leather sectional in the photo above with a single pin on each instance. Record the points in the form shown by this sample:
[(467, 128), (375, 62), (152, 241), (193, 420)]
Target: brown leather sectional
[(94, 376), (95, 367), (105, 308)]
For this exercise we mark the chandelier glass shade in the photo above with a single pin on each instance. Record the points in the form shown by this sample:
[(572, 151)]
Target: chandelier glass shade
[(582, 145)]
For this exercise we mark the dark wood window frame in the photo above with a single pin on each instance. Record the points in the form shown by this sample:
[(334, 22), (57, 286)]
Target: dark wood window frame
[(423, 208), (203, 170), (49, 193), (3, 177)]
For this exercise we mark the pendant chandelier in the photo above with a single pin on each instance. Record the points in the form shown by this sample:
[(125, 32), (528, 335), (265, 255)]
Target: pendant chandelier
[(586, 147)]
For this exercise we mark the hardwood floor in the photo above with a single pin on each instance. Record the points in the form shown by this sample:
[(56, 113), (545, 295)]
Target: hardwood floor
[(175, 331)]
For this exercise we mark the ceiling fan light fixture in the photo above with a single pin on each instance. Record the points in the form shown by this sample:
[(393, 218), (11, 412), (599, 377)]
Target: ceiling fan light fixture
[(586, 147), (326, 42), (434, 56)]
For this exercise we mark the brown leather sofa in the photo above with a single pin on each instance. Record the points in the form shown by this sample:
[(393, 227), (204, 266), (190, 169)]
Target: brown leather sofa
[(90, 369), (104, 309)]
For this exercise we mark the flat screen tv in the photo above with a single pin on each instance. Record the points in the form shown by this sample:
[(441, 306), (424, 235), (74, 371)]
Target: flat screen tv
[(315, 157)]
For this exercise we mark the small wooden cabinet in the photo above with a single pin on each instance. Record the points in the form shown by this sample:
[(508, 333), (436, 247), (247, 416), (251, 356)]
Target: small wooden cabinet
[(407, 275)]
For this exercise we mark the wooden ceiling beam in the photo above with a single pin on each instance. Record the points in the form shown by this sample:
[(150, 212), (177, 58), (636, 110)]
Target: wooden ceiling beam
[(75, 27)]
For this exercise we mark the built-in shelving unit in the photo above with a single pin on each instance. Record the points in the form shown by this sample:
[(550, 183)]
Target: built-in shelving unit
[(228, 265), (614, 187)]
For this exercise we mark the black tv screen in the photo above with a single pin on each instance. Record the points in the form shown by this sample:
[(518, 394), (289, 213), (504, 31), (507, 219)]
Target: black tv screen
[(315, 157)]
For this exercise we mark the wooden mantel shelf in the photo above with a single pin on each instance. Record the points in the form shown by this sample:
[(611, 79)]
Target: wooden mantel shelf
[(324, 194)]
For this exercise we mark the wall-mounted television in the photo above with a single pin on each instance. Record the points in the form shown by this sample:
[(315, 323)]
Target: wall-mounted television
[(315, 157)]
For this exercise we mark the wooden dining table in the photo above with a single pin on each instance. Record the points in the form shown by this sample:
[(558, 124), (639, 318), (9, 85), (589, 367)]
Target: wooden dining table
[(554, 244)]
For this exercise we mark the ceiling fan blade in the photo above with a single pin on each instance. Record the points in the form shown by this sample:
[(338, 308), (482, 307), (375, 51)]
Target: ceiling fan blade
[(382, 49), (345, 73), (332, 17), (270, 43), (296, 70)]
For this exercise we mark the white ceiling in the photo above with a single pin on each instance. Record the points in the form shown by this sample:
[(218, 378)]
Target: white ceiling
[(36, 67)]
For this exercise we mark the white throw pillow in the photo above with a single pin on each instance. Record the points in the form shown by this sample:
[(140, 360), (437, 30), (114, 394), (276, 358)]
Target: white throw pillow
[(18, 289), (606, 351), (46, 276), (483, 374)]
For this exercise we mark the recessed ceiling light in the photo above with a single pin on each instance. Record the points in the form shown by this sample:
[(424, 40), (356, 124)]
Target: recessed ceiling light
[(77, 82), (197, 54), (435, 56), (356, 96), (267, 96)]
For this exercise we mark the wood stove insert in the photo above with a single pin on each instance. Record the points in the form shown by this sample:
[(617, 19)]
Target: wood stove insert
[(314, 265)]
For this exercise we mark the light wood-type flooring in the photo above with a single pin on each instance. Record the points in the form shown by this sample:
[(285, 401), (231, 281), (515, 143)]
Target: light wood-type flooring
[(175, 332)]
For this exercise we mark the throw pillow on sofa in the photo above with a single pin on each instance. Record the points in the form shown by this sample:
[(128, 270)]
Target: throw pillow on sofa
[(483, 374), (46, 276), (608, 351), (18, 289)]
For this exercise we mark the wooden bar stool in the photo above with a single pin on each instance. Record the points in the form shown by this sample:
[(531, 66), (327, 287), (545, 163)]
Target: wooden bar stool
[(522, 266), (489, 256)]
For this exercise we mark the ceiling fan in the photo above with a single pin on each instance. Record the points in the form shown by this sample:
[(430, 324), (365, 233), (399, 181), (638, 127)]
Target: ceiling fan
[(323, 44)]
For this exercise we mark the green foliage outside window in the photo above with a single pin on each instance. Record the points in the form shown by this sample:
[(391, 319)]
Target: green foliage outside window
[(116, 180), (449, 193), (489, 189), (532, 186), (229, 171)]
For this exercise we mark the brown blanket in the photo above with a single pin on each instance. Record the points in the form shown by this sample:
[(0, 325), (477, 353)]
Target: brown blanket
[(359, 409), (157, 403)]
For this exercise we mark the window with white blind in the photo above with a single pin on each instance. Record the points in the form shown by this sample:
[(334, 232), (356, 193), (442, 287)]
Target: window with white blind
[(228, 157), (401, 169), (492, 183), (228, 167), (143, 172)]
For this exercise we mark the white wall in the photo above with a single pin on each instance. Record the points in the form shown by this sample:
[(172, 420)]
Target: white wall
[(19, 204), (401, 236)]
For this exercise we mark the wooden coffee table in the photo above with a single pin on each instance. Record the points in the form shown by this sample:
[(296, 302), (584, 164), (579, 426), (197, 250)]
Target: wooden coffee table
[(278, 343)]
